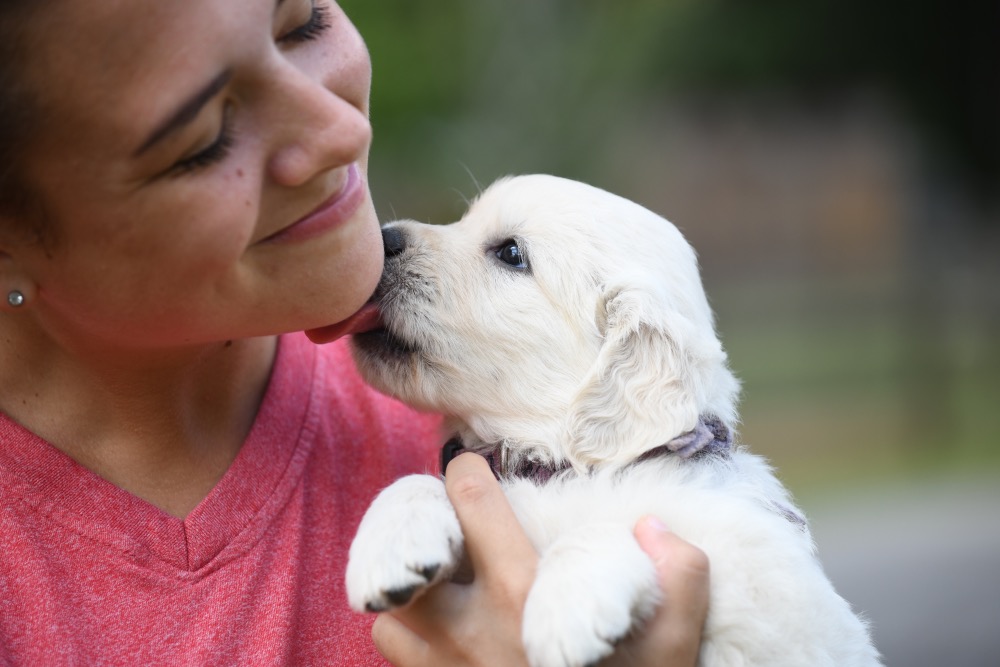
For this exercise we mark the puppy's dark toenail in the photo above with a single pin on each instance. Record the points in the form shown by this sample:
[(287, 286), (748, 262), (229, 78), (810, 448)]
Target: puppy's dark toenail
[(400, 596), (428, 572)]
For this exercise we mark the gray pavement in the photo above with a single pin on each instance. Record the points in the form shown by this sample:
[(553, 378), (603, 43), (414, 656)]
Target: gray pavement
[(921, 560)]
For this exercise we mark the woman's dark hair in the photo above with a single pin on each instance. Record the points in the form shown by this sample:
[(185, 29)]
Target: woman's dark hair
[(18, 117)]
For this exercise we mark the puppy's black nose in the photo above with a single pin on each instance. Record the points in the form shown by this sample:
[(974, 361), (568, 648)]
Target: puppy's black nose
[(393, 240)]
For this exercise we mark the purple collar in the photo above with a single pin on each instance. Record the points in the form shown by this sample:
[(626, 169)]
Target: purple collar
[(709, 436)]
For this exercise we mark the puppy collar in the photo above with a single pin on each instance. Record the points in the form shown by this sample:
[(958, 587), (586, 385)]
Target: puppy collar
[(709, 436)]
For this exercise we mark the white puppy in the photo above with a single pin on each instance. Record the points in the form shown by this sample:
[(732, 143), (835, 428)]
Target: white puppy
[(566, 331)]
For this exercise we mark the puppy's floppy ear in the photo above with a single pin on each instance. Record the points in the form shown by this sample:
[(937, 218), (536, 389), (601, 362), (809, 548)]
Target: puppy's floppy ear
[(647, 384)]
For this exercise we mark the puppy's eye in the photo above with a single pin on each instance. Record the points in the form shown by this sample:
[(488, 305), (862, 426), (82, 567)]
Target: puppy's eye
[(509, 253)]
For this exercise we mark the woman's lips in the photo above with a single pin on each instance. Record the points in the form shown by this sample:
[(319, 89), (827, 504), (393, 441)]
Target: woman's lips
[(331, 213)]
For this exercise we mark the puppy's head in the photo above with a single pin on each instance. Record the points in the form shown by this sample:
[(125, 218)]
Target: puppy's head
[(554, 318)]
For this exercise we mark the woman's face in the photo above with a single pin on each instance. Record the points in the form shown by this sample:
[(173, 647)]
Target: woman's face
[(203, 167)]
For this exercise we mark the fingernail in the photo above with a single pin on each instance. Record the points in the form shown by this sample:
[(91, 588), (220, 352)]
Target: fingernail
[(656, 524)]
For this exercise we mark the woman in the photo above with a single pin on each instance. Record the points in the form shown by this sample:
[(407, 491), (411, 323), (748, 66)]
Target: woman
[(183, 182)]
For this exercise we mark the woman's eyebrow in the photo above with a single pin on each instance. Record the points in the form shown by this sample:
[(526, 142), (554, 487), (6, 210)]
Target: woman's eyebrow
[(187, 112)]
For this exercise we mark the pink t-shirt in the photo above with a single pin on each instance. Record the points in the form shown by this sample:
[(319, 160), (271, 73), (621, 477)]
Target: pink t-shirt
[(92, 575)]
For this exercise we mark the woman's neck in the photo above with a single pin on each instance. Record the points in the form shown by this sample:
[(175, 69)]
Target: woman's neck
[(163, 425)]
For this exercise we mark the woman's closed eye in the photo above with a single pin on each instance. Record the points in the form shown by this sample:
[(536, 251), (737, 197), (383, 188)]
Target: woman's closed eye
[(211, 154), (316, 25)]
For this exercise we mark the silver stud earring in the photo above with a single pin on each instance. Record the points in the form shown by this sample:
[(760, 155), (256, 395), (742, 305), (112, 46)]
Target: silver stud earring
[(15, 298)]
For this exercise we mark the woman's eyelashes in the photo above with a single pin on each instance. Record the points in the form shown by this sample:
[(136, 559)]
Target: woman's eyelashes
[(319, 21), (211, 154)]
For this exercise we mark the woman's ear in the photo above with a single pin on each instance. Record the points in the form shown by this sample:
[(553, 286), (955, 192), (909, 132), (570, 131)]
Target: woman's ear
[(645, 387)]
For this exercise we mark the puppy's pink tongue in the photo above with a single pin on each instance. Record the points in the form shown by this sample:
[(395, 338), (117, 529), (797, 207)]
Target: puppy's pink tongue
[(366, 319)]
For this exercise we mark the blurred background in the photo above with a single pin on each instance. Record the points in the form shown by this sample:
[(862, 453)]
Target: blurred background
[(836, 163)]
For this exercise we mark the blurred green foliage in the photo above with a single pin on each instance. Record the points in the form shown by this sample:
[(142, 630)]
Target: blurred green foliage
[(548, 69)]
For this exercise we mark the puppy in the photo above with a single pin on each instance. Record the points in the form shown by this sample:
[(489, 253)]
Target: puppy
[(567, 333)]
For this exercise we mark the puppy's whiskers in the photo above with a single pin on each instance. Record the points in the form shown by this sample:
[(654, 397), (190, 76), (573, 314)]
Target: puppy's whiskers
[(472, 177)]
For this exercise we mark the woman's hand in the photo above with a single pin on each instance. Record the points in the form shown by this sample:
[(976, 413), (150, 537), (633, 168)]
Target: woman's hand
[(672, 638), (479, 623)]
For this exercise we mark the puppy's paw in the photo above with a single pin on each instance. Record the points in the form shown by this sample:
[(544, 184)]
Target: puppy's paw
[(408, 539), (592, 588)]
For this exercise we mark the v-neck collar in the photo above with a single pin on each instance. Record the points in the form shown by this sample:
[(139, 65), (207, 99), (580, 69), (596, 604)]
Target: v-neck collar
[(226, 523)]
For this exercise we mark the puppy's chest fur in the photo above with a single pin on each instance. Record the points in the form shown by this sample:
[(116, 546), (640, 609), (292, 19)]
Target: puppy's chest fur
[(708, 499), (766, 580), (698, 469)]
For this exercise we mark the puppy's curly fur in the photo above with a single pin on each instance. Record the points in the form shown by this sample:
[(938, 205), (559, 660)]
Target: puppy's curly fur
[(564, 325)]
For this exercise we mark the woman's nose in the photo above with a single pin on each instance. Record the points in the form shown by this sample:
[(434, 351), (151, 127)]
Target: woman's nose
[(318, 131)]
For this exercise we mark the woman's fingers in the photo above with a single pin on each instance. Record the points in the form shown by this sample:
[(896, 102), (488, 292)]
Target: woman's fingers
[(672, 638), (683, 570), (397, 643), (496, 544), (477, 623)]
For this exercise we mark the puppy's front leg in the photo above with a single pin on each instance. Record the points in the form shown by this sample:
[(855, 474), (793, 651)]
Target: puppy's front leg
[(594, 584), (408, 539)]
